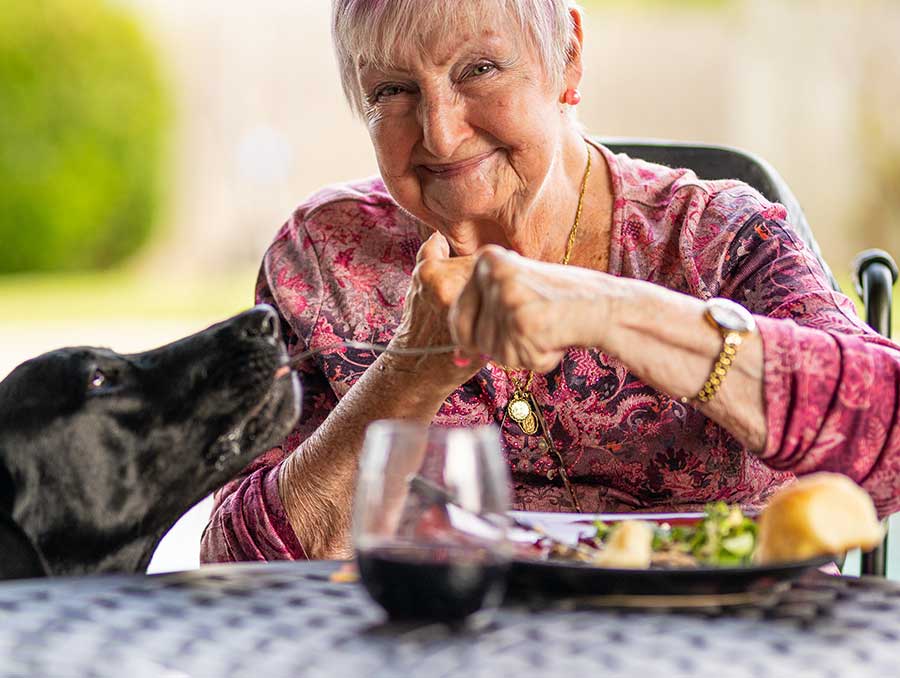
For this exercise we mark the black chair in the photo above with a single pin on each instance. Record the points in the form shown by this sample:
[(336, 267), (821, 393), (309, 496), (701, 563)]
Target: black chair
[(874, 271)]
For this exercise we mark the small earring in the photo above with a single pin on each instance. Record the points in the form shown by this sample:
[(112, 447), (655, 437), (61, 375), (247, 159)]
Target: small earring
[(572, 97)]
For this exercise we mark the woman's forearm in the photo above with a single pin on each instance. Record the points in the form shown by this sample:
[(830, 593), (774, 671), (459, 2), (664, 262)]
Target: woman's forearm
[(318, 480), (664, 338), (526, 313)]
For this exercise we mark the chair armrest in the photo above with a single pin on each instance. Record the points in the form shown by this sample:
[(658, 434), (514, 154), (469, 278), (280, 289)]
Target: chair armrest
[(874, 275)]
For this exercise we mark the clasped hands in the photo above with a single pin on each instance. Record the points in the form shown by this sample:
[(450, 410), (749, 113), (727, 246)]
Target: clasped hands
[(496, 305)]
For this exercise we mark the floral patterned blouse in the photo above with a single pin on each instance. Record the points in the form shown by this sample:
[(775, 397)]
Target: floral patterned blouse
[(340, 267)]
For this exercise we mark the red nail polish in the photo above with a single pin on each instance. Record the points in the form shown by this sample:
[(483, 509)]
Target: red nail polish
[(460, 360)]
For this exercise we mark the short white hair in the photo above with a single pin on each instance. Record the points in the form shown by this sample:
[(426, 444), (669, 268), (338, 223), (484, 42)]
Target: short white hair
[(370, 30)]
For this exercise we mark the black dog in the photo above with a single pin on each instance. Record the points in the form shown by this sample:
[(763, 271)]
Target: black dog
[(101, 453)]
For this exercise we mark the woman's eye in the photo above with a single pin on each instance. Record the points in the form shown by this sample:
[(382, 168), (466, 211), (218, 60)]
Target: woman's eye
[(482, 69), (97, 380), (387, 91)]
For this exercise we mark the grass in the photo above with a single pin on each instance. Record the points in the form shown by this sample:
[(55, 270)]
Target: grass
[(122, 295)]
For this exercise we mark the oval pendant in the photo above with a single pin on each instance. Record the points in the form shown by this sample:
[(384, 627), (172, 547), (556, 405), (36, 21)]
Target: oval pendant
[(530, 425), (519, 410)]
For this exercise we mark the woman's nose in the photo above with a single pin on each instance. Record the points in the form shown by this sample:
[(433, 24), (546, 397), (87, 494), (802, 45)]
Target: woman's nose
[(444, 126)]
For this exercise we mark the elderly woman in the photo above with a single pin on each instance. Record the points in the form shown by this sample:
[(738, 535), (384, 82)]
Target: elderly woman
[(646, 340)]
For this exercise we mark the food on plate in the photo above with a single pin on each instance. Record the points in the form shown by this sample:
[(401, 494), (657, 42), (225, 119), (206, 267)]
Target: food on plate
[(630, 545), (824, 514), (725, 536), (820, 514)]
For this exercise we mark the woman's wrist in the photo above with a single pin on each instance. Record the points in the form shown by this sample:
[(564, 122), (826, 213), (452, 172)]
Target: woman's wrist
[(414, 383), (435, 376)]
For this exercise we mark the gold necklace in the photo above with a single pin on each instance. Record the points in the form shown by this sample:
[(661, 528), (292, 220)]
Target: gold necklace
[(522, 407)]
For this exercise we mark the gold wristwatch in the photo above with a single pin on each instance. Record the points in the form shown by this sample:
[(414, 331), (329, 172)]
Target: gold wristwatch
[(734, 322)]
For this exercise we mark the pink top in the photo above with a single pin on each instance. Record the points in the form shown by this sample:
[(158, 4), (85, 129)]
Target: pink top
[(340, 267)]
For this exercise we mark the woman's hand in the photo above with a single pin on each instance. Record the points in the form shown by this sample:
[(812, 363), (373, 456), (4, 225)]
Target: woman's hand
[(436, 283), (525, 313)]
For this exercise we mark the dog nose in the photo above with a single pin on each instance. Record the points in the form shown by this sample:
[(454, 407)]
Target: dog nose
[(260, 323)]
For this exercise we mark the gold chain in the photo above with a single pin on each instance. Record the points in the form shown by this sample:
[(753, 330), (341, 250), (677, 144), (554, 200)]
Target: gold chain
[(522, 407), (570, 246)]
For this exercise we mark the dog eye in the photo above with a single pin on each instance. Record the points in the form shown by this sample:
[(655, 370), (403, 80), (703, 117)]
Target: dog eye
[(97, 380)]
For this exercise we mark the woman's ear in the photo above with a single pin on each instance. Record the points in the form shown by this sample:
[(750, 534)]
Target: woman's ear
[(574, 65)]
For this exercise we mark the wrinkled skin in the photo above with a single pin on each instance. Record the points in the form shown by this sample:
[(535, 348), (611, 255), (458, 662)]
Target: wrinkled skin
[(100, 453)]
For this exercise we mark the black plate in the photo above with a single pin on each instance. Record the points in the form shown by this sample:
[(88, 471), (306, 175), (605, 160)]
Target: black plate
[(554, 578)]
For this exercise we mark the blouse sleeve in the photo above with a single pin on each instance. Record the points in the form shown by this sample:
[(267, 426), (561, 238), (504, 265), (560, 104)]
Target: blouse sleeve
[(832, 385), (248, 520)]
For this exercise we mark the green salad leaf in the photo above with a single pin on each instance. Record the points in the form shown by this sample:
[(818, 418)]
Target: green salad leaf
[(724, 537)]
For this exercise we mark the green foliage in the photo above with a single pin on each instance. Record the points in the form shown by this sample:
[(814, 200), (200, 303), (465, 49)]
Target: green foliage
[(82, 128)]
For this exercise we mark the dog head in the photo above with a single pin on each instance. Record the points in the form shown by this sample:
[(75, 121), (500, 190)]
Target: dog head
[(100, 453)]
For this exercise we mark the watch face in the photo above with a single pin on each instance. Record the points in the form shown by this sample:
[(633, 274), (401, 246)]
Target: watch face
[(730, 315)]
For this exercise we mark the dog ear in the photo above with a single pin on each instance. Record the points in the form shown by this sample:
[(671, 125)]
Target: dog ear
[(19, 557)]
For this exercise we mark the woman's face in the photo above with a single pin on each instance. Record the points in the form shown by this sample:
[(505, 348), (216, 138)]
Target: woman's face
[(466, 132)]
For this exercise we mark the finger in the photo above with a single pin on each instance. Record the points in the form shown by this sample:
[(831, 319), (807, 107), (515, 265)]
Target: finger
[(436, 247), (463, 316), (491, 316), (496, 333), (547, 361)]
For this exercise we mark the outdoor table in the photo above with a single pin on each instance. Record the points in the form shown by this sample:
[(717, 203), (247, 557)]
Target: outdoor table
[(289, 619)]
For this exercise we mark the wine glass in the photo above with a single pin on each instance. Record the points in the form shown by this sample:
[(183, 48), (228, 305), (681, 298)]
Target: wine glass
[(430, 522)]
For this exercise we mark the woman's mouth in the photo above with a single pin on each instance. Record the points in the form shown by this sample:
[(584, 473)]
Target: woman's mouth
[(455, 168)]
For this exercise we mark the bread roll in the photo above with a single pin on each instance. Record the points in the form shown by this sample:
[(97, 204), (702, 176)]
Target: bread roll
[(820, 514)]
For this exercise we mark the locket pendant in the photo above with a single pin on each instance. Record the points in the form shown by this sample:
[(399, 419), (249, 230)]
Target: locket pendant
[(521, 411)]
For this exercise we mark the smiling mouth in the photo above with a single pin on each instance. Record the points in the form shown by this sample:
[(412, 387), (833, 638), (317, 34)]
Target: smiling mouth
[(454, 168)]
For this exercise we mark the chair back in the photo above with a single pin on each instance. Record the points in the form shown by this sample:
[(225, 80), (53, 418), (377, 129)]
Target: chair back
[(723, 162)]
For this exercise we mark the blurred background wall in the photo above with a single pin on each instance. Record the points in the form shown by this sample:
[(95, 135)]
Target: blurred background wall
[(812, 85), (251, 119)]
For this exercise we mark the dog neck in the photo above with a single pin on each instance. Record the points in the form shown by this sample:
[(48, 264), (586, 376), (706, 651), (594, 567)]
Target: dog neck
[(74, 549), (19, 557)]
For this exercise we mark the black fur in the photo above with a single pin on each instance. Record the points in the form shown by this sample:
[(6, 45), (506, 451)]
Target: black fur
[(101, 453)]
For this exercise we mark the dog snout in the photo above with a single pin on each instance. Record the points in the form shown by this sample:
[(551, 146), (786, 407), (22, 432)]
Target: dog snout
[(259, 323)]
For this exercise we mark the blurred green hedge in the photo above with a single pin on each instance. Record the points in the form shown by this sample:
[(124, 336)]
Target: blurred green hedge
[(83, 120)]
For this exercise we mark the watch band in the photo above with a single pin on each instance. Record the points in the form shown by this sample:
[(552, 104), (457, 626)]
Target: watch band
[(733, 322), (730, 344)]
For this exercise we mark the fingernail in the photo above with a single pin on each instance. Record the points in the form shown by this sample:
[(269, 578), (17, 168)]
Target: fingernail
[(460, 360)]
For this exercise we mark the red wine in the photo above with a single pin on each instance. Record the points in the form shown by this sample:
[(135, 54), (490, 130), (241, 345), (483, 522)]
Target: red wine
[(432, 583)]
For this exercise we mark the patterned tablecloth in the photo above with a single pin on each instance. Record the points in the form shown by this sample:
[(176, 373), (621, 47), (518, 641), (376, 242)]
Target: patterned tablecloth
[(288, 619)]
